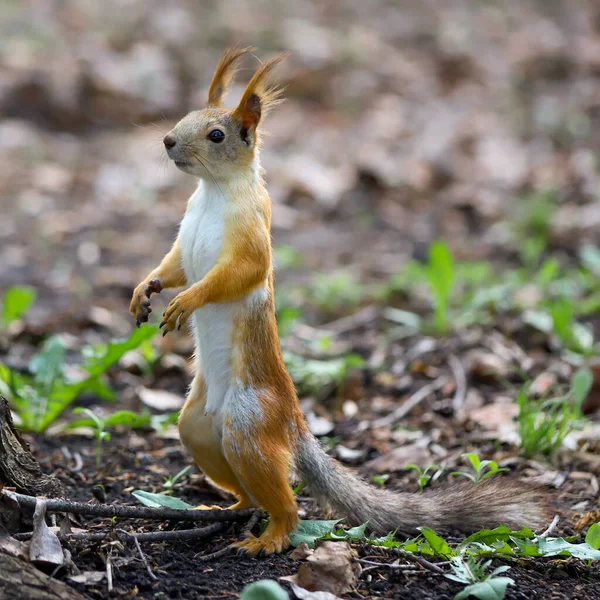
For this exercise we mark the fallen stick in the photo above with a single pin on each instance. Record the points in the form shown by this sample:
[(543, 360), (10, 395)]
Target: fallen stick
[(131, 512), (229, 548), (412, 402), (150, 536)]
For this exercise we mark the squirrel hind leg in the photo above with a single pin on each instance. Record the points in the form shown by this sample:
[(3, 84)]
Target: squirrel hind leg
[(196, 430), (267, 484)]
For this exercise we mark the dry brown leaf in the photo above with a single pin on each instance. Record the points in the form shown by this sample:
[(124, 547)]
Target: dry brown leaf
[(398, 458), (330, 568), (301, 552), (160, 399), (88, 577)]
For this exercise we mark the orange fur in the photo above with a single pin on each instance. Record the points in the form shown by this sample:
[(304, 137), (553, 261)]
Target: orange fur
[(244, 264), (224, 73), (169, 273)]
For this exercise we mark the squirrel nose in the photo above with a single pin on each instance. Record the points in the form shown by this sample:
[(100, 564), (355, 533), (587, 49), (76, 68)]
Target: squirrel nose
[(169, 141)]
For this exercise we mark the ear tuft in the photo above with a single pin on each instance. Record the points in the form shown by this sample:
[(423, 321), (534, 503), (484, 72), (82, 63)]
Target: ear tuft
[(260, 96), (226, 69)]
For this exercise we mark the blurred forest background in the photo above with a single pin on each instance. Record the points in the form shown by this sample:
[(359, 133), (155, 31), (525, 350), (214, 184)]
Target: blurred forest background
[(435, 183), (404, 122)]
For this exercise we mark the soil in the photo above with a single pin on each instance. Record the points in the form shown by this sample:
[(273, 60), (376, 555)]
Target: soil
[(133, 461)]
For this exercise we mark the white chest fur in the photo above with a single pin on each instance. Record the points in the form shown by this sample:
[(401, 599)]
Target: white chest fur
[(201, 231), (201, 238)]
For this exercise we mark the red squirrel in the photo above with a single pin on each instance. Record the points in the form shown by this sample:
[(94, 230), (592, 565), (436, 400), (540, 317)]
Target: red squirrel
[(241, 421)]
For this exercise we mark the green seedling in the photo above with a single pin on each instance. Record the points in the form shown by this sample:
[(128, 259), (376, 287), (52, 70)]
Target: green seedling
[(332, 291), (170, 482), (99, 425), (472, 573), (380, 479), (440, 275), (286, 257), (16, 302), (40, 397), (311, 376), (424, 475), (543, 425), (532, 227), (483, 468)]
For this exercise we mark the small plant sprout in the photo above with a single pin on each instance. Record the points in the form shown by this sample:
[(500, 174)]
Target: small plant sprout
[(425, 475), (544, 425), (99, 425), (40, 397), (440, 275), (471, 572), (170, 482), (16, 302), (99, 433), (483, 468), (380, 479)]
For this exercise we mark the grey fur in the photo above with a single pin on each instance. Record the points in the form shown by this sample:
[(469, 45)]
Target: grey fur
[(464, 508)]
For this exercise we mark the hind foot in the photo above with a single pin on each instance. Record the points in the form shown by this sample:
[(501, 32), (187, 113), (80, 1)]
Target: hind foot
[(265, 544)]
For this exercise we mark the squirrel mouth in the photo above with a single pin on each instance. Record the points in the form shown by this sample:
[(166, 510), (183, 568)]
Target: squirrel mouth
[(182, 163)]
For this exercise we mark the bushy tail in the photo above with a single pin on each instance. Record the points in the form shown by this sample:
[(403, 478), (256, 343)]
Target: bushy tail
[(465, 508)]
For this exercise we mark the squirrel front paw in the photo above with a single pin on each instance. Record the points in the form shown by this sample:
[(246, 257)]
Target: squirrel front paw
[(140, 303), (178, 312)]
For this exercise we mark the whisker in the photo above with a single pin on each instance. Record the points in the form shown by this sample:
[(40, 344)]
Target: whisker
[(199, 159)]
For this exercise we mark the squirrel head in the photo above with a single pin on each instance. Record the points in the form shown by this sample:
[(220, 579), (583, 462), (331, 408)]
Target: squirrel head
[(217, 143)]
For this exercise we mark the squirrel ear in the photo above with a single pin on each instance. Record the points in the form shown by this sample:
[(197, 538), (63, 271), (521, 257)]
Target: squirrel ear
[(260, 96), (224, 73)]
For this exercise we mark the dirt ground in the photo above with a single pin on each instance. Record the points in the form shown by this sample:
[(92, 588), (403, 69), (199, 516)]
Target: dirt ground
[(404, 123), (142, 462)]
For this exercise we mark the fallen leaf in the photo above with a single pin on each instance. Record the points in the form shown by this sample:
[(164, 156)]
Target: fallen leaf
[(331, 568), (45, 550), (485, 365), (349, 454), (303, 594), (160, 399), (319, 425), (398, 458), (543, 383), (301, 552), (88, 577)]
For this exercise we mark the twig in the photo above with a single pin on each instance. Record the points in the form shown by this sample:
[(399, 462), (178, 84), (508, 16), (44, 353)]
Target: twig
[(550, 528), (109, 578), (418, 559), (460, 377), (131, 512), (229, 548), (139, 549), (358, 319), (374, 565), (412, 402), (151, 536)]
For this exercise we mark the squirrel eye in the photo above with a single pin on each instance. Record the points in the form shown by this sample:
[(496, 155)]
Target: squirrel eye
[(216, 136)]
